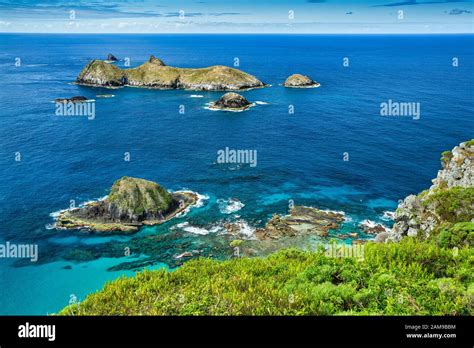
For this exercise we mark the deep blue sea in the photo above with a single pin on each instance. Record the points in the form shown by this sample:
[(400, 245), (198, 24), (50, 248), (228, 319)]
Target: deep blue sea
[(300, 154)]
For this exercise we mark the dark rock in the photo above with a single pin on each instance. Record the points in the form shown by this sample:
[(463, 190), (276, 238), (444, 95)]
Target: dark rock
[(301, 220), (156, 61), (233, 101), (382, 237), (111, 57), (75, 99), (371, 227)]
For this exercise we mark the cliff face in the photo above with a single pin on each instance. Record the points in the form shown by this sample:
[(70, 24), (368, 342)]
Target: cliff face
[(155, 74), (448, 205)]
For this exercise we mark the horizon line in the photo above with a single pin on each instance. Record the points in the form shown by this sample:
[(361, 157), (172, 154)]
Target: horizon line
[(233, 33)]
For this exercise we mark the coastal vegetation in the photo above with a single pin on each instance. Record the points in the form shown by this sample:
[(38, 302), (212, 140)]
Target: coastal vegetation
[(411, 277), (449, 202), (423, 266)]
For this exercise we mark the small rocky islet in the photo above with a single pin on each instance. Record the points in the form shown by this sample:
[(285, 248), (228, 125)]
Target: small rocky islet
[(132, 203), (75, 99), (231, 102), (111, 58), (300, 81)]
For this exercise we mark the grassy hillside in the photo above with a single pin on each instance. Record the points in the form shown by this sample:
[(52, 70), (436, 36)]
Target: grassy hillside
[(407, 278)]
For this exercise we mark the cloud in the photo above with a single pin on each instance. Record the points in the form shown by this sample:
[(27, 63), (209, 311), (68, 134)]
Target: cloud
[(201, 14), (57, 10)]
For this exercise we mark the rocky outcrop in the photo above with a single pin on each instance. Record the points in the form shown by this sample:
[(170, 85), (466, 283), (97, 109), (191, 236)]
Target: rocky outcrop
[(155, 74), (371, 227), (111, 58), (99, 73), (231, 101), (131, 203), (156, 61), (300, 81), (76, 99), (301, 220), (449, 201)]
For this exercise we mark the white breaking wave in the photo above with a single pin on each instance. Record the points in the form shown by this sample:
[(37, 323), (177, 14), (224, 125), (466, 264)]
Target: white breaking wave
[(229, 206), (209, 106), (368, 224), (388, 215), (196, 96), (185, 226), (258, 102), (94, 200), (245, 229), (199, 203), (55, 214), (201, 199), (348, 218)]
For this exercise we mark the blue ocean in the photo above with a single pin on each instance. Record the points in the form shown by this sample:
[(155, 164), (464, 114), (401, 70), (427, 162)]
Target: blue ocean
[(326, 147)]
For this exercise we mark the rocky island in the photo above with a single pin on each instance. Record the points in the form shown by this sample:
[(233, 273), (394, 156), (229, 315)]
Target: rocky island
[(301, 220), (132, 203), (231, 102), (75, 99), (111, 58), (300, 81), (155, 74)]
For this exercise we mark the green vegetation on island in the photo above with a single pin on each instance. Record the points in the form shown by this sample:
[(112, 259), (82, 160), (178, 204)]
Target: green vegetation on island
[(132, 202), (155, 74), (300, 81)]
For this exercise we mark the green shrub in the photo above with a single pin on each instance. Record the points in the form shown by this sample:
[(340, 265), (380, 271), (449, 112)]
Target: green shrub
[(446, 157), (457, 235), (455, 204), (405, 278)]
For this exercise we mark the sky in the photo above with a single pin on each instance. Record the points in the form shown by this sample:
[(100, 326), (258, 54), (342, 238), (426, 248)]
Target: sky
[(238, 16)]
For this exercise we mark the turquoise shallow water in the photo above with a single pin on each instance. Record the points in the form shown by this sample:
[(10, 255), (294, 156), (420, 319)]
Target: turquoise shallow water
[(300, 155)]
